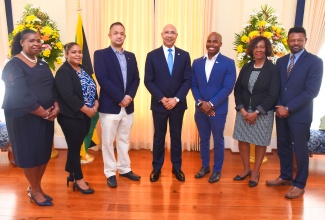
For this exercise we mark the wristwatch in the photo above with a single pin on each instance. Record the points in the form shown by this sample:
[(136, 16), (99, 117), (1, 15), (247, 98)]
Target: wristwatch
[(199, 104), (286, 108), (177, 99)]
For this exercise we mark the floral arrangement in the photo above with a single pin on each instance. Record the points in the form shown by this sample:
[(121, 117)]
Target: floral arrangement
[(261, 23), (36, 19)]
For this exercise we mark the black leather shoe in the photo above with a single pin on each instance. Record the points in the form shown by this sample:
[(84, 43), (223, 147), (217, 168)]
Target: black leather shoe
[(252, 183), (239, 178), (180, 176), (202, 172), (131, 176), (111, 181), (84, 191), (154, 175), (215, 177)]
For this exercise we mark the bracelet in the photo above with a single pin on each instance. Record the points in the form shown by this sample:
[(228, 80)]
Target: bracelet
[(57, 108), (47, 115)]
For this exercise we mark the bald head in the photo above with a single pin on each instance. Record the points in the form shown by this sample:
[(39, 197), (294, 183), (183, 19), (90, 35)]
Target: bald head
[(169, 35), (214, 42), (217, 35)]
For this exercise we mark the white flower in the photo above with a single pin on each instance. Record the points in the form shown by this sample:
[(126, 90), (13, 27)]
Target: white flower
[(274, 15), (274, 59), (279, 47), (246, 25), (268, 25), (33, 6), (45, 12)]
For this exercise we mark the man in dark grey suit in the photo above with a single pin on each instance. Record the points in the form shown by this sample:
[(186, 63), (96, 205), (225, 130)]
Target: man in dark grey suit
[(168, 79), (301, 76)]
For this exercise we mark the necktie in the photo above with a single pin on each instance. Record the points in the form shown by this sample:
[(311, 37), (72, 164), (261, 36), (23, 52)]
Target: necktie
[(170, 61), (290, 65)]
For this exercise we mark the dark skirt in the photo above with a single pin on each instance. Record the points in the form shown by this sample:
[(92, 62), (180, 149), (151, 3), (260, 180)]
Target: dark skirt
[(31, 138)]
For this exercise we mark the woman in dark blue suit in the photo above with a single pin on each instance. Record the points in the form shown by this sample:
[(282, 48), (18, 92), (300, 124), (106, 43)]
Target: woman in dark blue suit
[(78, 100), (256, 91)]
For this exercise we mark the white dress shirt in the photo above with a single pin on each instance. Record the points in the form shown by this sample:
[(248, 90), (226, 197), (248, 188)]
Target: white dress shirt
[(209, 64), (166, 52)]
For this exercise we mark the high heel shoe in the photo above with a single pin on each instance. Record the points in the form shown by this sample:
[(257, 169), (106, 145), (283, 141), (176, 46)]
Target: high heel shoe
[(252, 183), (45, 203), (239, 178), (71, 179), (84, 191), (29, 190)]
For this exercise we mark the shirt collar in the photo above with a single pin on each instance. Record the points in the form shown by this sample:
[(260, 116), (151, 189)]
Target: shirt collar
[(213, 58), (116, 51), (297, 55), (166, 48)]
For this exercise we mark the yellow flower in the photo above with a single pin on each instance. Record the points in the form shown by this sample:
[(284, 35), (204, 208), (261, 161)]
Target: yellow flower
[(34, 29), (20, 27), (267, 34), (261, 23), (46, 53), (10, 42), (58, 60), (284, 41), (47, 30), (253, 34), (244, 39), (240, 48), (30, 18), (59, 45)]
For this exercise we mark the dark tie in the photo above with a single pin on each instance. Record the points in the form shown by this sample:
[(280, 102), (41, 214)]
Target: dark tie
[(170, 61), (292, 59)]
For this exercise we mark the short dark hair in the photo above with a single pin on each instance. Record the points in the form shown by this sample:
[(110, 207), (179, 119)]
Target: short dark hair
[(116, 23), (20, 36), (68, 46), (297, 29), (255, 41)]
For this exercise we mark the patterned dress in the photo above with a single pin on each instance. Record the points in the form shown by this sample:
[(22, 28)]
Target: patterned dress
[(259, 133)]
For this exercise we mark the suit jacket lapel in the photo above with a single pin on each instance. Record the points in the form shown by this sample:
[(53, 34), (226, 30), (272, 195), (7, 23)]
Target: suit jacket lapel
[(128, 72), (216, 63), (116, 63), (162, 58), (297, 64)]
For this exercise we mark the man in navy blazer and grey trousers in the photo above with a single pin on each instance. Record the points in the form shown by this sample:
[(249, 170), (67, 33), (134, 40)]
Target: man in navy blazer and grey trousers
[(168, 79), (118, 76), (301, 76)]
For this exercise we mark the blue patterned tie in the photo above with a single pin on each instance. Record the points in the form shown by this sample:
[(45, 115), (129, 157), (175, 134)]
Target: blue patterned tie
[(170, 61), (292, 59)]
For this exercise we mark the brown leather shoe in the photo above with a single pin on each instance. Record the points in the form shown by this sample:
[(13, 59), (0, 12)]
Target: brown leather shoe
[(279, 182), (294, 192)]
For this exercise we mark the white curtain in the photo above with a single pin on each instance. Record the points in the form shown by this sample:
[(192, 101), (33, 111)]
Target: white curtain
[(314, 23)]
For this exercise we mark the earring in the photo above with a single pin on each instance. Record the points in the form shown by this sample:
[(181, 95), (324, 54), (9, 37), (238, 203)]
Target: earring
[(22, 45)]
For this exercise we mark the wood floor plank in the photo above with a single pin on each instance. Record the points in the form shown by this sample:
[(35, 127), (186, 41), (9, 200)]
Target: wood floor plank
[(167, 198)]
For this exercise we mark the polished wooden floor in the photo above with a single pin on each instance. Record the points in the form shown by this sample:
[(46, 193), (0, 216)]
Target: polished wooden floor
[(167, 198)]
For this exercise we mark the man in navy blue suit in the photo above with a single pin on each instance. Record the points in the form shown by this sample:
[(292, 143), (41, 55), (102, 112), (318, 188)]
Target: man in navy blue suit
[(301, 76), (118, 76), (213, 79), (168, 79)]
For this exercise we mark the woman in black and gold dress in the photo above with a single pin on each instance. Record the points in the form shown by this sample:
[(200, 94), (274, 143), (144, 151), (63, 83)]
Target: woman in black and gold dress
[(30, 107)]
